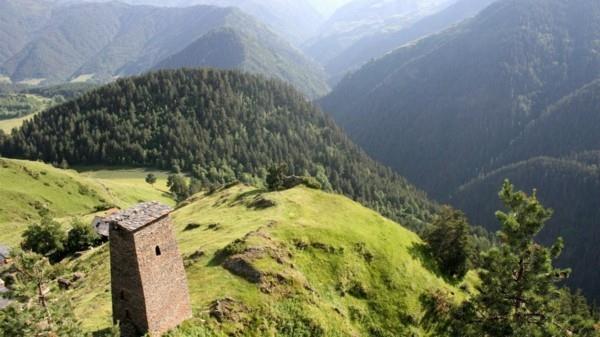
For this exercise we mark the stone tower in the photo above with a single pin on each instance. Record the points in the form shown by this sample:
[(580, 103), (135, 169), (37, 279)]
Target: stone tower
[(149, 286)]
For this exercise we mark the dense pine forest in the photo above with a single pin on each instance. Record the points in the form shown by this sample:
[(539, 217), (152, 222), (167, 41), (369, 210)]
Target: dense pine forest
[(219, 126), (453, 102)]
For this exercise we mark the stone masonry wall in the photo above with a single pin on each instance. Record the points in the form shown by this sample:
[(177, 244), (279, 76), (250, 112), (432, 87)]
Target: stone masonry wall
[(163, 277), (128, 300)]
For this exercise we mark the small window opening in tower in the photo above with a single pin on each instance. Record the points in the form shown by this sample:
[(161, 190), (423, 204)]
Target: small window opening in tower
[(157, 251), (122, 295), (127, 315)]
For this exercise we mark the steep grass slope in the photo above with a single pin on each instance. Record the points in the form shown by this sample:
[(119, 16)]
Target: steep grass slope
[(30, 188), (317, 264)]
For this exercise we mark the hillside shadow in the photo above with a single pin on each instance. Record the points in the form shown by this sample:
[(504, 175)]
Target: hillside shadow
[(423, 254), (247, 194), (102, 333)]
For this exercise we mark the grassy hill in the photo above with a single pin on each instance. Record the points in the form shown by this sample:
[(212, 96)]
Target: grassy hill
[(327, 265), (30, 188)]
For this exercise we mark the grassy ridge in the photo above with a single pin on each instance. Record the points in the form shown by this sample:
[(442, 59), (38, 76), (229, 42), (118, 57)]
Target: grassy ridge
[(331, 264), (328, 266), (28, 188)]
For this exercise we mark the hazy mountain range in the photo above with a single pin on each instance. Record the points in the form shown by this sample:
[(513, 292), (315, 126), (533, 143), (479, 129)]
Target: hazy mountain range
[(295, 19), (361, 18), (102, 41)]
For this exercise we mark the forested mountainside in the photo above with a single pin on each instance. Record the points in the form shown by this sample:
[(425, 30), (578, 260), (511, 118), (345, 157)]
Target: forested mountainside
[(571, 187), (101, 41), (295, 19), (219, 125), (253, 50), (441, 110), (565, 127), (516, 82), (376, 45), (360, 18)]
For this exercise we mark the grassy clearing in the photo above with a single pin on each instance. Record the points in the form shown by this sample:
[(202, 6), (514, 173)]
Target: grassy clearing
[(331, 264), (17, 108), (83, 78), (129, 184), (9, 124), (32, 81)]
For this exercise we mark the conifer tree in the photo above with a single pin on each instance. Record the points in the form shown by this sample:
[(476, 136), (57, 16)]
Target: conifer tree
[(276, 177), (151, 179), (517, 295), (37, 311), (448, 239)]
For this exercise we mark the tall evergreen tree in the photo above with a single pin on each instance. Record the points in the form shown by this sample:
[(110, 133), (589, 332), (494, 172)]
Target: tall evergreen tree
[(518, 294), (448, 239), (276, 177)]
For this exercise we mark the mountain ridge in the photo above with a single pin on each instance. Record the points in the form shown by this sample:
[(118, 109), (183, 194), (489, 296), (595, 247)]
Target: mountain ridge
[(103, 41), (233, 48), (486, 85)]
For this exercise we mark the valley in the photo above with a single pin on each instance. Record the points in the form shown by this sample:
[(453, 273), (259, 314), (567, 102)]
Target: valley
[(487, 94)]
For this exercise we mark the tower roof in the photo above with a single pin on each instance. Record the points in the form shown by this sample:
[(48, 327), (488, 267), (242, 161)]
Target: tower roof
[(139, 215)]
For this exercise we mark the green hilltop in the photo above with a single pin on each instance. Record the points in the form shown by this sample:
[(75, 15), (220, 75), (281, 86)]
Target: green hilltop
[(317, 263)]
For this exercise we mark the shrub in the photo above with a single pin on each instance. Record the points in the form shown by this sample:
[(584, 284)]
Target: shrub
[(46, 238), (81, 237)]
